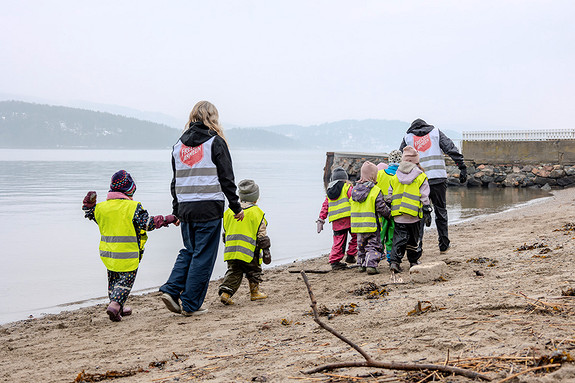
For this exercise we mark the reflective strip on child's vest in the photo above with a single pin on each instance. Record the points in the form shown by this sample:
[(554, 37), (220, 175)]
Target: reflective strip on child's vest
[(430, 154), (196, 174), (340, 207), (241, 236), (363, 215), (383, 181), (406, 199), (119, 249)]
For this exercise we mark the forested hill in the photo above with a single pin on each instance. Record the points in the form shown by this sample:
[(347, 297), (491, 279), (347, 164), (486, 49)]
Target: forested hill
[(375, 136), (27, 125)]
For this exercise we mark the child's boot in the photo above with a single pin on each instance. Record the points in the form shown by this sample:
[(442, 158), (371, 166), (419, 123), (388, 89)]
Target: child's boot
[(226, 299), (255, 293), (349, 259), (126, 310), (113, 311)]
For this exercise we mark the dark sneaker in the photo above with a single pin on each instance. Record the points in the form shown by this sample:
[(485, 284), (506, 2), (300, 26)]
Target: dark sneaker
[(395, 268), (411, 264), (199, 311), (338, 266), (350, 259), (361, 269), (171, 303), (445, 250), (372, 270)]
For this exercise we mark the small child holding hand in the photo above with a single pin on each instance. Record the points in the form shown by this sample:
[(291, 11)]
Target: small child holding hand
[(123, 224)]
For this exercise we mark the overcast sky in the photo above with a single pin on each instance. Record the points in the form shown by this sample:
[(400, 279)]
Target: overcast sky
[(455, 63)]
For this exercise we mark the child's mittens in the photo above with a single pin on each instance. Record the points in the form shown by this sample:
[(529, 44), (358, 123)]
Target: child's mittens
[(266, 256), (161, 221), (320, 223), (90, 200), (172, 219)]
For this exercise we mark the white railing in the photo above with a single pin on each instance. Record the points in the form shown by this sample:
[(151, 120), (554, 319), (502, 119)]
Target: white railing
[(520, 135)]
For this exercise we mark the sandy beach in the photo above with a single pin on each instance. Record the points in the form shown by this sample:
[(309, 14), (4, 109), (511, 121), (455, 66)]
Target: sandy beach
[(496, 308)]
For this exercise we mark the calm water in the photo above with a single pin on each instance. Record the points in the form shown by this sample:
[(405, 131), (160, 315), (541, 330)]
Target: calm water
[(50, 252)]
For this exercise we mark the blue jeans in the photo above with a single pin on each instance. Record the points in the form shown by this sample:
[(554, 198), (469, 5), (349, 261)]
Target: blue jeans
[(191, 274)]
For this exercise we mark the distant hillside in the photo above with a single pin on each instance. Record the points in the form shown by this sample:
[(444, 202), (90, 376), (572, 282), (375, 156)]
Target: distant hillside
[(27, 125), (347, 135), (250, 138)]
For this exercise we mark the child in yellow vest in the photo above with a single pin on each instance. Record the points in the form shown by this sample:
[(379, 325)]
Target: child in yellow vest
[(123, 224), (384, 175), (409, 194), (247, 245), (367, 205), (337, 208)]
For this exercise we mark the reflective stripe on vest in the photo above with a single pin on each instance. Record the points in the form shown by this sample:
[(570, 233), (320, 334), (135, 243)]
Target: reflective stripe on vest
[(119, 249), (430, 155), (406, 199), (196, 174), (340, 207), (363, 215), (241, 236)]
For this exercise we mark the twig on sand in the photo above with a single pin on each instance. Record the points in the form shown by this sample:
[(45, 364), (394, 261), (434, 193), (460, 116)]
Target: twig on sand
[(529, 370), (369, 362)]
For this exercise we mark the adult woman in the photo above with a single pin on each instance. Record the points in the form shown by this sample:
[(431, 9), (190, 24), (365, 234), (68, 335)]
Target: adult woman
[(203, 175)]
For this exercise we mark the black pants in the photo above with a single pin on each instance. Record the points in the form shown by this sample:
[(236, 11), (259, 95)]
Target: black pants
[(437, 197), (406, 238)]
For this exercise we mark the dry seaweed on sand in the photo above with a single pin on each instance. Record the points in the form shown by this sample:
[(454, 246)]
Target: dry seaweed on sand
[(536, 245), (482, 260), (568, 228), (323, 310), (569, 292), (85, 377), (421, 307), (370, 290)]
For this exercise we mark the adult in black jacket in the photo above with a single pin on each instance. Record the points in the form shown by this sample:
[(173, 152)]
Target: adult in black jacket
[(431, 144), (203, 178)]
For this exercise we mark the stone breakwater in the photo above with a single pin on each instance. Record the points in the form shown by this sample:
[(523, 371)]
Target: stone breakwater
[(544, 176), (484, 175)]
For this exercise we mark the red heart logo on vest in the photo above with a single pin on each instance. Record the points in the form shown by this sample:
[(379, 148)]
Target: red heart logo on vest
[(421, 144), (191, 155)]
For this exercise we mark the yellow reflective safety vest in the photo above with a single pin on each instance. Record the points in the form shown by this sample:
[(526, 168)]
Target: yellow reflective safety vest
[(119, 247), (406, 199), (241, 235), (383, 180), (363, 215), (340, 207)]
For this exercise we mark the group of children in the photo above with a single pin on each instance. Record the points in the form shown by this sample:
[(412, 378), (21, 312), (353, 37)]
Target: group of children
[(123, 224), (383, 213)]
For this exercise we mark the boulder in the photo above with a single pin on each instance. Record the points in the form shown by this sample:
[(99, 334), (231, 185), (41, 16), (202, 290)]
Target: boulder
[(428, 272)]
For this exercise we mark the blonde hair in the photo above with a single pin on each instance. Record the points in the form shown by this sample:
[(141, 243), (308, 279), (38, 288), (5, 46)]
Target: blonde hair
[(206, 113)]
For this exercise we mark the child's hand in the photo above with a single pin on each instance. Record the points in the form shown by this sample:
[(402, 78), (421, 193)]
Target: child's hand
[(90, 199), (320, 223), (239, 216)]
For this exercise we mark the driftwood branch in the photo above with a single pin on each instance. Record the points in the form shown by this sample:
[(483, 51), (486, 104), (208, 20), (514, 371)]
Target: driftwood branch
[(369, 362)]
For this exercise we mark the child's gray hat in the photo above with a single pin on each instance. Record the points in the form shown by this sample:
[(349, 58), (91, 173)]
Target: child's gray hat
[(248, 191), (338, 174)]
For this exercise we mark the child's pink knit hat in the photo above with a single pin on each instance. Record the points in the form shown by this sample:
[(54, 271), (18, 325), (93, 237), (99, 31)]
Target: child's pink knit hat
[(368, 172), (410, 154)]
